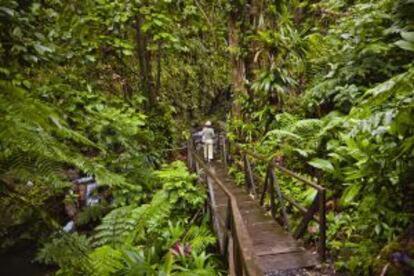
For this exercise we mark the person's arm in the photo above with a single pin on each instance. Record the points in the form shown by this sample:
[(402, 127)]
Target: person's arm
[(198, 133)]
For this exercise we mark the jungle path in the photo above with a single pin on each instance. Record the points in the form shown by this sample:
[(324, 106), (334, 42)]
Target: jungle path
[(251, 239)]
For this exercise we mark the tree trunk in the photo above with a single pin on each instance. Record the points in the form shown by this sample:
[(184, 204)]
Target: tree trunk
[(158, 68), (251, 21), (237, 64), (144, 59)]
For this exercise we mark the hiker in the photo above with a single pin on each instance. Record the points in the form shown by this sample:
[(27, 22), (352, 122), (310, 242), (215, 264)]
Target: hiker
[(208, 140)]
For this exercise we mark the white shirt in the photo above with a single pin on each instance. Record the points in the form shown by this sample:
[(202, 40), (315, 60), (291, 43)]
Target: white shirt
[(207, 134)]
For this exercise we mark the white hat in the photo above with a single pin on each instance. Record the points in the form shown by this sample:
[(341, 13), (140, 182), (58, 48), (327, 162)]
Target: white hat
[(208, 123)]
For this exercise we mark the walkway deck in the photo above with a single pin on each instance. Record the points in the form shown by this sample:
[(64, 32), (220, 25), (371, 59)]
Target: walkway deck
[(277, 253)]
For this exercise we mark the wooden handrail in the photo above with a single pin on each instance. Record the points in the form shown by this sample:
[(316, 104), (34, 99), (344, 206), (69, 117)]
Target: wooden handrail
[(244, 257), (318, 204), (245, 244), (281, 168)]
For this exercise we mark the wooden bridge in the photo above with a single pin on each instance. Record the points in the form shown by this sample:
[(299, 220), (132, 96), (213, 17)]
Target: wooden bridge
[(253, 242)]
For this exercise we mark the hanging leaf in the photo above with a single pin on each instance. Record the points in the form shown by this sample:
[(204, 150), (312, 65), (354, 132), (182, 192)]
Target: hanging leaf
[(322, 164)]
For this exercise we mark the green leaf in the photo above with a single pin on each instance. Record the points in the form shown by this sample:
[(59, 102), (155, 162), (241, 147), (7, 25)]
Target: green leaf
[(322, 164), (5, 71), (405, 45), (7, 11), (301, 152), (127, 52), (409, 36), (41, 49), (349, 194)]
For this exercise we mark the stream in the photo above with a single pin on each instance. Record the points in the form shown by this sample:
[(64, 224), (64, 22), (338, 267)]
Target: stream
[(90, 199), (18, 261)]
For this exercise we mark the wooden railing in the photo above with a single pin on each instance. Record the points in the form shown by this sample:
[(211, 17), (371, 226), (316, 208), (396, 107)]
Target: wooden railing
[(236, 243), (270, 187)]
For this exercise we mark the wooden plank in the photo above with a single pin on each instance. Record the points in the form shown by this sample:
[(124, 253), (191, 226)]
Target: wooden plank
[(281, 262), (267, 222), (266, 245), (277, 250), (269, 247), (273, 238), (241, 238), (227, 226), (230, 258)]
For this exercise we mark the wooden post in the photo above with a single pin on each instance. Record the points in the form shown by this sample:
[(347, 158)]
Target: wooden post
[(250, 177), (282, 203), (189, 156), (205, 177), (301, 229), (214, 219), (272, 192), (322, 225), (197, 169), (238, 266), (228, 151), (246, 177), (230, 257), (224, 153), (262, 197), (227, 227)]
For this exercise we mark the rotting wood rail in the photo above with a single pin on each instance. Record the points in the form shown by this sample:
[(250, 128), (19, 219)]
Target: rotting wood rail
[(240, 232)]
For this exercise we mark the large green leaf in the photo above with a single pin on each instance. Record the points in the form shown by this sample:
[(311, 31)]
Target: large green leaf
[(409, 36), (322, 164), (350, 194), (406, 45)]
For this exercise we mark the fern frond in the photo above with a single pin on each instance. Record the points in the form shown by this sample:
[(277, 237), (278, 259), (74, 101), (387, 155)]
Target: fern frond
[(307, 127), (127, 224), (34, 130), (106, 261), (199, 237), (115, 227), (69, 252), (151, 216), (277, 134), (136, 263), (285, 120), (175, 171)]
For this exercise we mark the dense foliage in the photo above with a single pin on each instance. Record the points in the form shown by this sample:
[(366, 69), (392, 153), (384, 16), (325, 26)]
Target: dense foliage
[(107, 89), (111, 88), (330, 93), (146, 239)]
